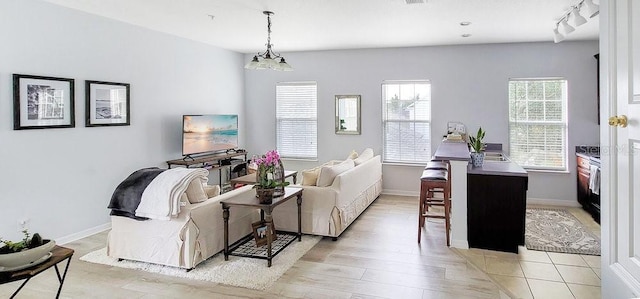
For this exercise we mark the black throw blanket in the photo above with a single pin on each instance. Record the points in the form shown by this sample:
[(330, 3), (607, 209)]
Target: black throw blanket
[(126, 197)]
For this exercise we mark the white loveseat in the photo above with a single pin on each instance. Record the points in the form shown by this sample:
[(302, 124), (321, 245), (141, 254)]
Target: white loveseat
[(329, 210), (184, 241)]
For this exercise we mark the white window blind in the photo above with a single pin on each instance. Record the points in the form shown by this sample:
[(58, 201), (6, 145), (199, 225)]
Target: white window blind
[(406, 117), (538, 123), (297, 120)]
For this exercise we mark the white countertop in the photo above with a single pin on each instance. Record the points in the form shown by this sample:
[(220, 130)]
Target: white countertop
[(453, 150)]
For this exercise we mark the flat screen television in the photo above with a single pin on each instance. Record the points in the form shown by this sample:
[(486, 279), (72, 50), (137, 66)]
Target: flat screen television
[(209, 133)]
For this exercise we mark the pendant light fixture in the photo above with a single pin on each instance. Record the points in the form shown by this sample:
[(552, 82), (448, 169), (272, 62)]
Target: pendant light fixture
[(268, 59)]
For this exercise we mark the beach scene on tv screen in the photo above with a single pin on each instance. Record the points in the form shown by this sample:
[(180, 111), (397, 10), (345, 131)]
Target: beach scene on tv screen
[(209, 133)]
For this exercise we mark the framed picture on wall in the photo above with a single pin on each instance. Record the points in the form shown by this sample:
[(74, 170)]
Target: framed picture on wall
[(107, 104), (42, 102)]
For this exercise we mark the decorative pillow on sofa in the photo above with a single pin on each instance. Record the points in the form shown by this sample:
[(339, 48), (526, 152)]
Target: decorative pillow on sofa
[(366, 155), (184, 201), (310, 176), (195, 192), (329, 173), (353, 155), (211, 191)]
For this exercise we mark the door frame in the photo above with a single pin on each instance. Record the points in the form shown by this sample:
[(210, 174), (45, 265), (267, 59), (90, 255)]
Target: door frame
[(617, 282)]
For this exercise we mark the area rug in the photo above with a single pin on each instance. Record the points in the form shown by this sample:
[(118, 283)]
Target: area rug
[(237, 271), (556, 230)]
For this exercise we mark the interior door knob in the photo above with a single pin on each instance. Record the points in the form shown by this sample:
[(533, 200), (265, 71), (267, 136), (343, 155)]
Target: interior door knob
[(618, 121)]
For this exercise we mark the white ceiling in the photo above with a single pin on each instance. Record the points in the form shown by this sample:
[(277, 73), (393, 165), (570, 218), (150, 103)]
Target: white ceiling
[(302, 25)]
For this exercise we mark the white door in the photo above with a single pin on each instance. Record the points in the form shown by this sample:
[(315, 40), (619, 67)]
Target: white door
[(620, 146)]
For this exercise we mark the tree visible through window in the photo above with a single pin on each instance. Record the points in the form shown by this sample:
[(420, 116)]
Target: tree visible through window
[(297, 120), (538, 123), (406, 117)]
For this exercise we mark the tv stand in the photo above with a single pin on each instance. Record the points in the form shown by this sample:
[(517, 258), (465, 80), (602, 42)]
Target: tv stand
[(212, 162)]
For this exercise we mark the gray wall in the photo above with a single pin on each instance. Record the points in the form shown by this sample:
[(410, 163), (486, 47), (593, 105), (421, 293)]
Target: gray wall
[(62, 179), (469, 84)]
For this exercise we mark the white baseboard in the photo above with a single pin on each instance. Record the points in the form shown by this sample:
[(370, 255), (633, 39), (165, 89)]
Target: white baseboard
[(83, 234), (553, 202), (400, 192), (462, 244)]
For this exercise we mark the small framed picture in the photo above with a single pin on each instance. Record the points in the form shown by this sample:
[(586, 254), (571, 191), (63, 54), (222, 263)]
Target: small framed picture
[(260, 231), (42, 102), (107, 104)]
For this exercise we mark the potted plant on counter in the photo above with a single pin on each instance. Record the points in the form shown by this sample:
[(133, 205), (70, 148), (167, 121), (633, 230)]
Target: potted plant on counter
[(477, 156)]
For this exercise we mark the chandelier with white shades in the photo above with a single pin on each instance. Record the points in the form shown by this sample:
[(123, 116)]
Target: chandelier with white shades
[(268, 59)]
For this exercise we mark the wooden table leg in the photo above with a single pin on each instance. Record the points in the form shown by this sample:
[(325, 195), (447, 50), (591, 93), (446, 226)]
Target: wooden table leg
[(225, 216), (269, 223), (299, 201)]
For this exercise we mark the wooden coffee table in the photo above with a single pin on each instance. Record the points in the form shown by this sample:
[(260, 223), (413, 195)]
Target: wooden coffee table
[(265, 216), (251, 178)]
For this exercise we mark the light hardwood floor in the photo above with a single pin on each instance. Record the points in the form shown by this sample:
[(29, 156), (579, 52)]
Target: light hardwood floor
[(377, 257)]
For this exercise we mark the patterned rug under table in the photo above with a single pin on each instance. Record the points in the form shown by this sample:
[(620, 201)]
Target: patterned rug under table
[(556, 230)]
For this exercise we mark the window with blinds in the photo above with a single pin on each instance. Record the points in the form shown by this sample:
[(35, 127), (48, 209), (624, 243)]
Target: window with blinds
[(538, 123), (297, 120), (406, 117)]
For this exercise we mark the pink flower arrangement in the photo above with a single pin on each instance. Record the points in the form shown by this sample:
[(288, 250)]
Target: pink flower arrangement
[(269, 159), (266, 168)]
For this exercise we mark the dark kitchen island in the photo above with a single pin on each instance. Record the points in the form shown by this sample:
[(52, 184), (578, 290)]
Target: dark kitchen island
[(496, 204)]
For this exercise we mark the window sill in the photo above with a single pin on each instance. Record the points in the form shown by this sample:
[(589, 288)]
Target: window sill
[(547, 171), (300, 159), (413, 164)]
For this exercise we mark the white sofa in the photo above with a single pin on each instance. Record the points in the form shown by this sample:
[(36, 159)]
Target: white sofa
[(328, 211), (193, 236)]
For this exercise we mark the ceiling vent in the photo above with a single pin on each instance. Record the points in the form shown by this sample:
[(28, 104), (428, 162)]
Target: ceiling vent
[(415, 1)]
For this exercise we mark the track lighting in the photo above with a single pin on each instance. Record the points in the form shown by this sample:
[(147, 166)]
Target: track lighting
[(592, 9), (566, 28), (563, 28), (557, 37), (577, 18)]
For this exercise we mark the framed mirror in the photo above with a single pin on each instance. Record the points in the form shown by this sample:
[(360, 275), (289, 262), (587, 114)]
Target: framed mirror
[(348, 114)]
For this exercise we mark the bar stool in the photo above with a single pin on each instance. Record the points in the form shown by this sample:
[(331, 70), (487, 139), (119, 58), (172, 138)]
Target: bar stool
[(438, 165), (433, 181)]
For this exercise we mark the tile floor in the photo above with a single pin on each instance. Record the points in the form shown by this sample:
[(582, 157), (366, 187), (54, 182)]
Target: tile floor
[(540, 275)]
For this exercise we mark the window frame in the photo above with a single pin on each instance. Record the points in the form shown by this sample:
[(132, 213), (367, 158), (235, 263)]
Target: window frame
[(563, 124), (384, 119), (293, 155)]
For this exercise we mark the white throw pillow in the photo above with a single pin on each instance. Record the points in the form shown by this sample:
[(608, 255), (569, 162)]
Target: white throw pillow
[(329, 173), (310, 176), (195, 192), (353, 155), (184, 201), (366, 155), (211, 191)]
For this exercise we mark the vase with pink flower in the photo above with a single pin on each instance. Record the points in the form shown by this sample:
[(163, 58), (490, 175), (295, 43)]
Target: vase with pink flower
[(269, 177)]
